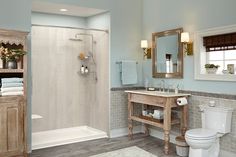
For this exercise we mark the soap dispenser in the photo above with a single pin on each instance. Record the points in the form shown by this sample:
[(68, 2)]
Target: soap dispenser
[(177, 89), (86, 70), (82, 70)]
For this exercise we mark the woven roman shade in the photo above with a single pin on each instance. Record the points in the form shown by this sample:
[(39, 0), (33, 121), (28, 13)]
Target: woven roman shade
[(220, 42)]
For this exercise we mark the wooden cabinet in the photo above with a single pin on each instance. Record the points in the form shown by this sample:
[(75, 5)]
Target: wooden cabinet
[(12, 126), (13, 109)]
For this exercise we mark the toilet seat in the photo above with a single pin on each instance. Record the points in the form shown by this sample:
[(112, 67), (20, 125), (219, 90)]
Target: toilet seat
[(201, 134)]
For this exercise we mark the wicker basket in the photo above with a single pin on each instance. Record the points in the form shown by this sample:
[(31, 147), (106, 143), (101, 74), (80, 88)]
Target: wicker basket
[(182, 147)]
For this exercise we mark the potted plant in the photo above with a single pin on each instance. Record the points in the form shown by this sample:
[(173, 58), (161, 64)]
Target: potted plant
[(211, 68), (11, 56)]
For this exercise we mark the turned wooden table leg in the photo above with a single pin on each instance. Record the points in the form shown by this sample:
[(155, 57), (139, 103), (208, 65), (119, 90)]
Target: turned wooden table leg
[(167, 141), (130, 112), (130, 127), (184, 120), (146, 130), (167, 125)]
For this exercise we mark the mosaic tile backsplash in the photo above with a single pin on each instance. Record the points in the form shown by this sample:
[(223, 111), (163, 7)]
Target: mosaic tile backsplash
[(119, 113)]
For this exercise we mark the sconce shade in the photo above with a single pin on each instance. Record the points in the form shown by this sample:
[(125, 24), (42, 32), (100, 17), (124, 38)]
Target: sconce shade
[(144, 44), (185, 37)]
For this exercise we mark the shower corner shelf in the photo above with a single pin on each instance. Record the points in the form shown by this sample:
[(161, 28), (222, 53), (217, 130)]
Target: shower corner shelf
[(35, 116)]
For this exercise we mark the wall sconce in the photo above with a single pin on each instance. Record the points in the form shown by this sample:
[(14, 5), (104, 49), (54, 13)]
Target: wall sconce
[(146, 50), (187, 44)]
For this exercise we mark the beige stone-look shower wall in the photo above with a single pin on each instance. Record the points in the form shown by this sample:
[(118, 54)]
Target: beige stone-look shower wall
[(99, 108), (62, 96)]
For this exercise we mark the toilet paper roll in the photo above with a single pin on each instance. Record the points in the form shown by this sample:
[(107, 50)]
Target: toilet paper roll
[(182, 101)]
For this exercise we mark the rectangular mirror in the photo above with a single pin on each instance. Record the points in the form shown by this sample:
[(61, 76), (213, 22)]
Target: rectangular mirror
[(167, 51)]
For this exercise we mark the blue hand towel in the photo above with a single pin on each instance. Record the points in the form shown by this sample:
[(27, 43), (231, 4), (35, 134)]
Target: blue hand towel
[(12, 80), (129, 73)]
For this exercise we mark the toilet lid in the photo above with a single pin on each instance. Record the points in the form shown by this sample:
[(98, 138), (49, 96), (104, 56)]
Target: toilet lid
[(201, 133)]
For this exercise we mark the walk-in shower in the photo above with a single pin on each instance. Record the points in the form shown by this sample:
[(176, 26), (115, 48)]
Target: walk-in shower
[(72, 107)]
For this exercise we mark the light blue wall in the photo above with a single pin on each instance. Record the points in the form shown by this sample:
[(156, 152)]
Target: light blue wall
[(15, 14), (101, 21), (125, 33), (58, 20), (192, 15)]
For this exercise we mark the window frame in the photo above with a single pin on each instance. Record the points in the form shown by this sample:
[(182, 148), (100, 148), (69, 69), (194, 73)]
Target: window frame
[(200, 58)]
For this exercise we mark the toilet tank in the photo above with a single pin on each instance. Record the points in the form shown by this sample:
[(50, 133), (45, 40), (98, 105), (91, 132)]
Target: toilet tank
[(217, 118)]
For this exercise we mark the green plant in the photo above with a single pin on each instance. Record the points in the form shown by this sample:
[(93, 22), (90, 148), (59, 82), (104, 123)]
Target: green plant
[(211, 66), (11, 54)]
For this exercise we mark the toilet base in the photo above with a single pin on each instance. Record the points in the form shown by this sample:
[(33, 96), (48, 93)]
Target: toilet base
[(213, 151), (198, 153)]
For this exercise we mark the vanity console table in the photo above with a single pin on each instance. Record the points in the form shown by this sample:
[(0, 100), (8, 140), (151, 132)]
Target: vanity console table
[(166, 101)]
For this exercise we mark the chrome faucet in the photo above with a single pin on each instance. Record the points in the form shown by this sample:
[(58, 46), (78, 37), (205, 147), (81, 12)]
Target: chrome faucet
[(162, 85)]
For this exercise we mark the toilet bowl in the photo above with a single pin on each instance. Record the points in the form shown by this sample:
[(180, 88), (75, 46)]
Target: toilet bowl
[(204, 142)]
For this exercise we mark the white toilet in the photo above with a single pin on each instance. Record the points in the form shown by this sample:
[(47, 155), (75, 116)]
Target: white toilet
[(204, 142)]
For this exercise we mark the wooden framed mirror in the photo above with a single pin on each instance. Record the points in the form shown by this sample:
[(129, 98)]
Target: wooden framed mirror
[(167, 54)]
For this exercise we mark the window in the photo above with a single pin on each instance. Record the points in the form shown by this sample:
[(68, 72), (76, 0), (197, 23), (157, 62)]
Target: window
[(215, 46), (221, 58), (221, 50)]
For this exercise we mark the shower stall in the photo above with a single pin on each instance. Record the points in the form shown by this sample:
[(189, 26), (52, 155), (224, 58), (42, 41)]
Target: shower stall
[(69, 105)]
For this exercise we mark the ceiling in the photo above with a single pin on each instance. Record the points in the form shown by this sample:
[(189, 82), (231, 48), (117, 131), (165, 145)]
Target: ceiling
[(54, 8)]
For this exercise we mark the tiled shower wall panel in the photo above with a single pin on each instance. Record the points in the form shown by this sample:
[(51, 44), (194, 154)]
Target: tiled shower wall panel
[(119, 112)]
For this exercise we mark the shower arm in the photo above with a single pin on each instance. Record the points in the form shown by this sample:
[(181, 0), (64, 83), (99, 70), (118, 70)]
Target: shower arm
[(76, 35)]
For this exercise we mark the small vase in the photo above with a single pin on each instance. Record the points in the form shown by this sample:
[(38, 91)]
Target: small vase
[(11, 65)]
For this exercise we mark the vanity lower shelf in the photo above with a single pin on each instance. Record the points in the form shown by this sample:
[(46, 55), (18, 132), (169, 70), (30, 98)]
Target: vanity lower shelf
[(153, 121)]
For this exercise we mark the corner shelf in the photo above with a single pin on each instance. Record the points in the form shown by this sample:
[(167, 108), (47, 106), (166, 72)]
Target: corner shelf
[(11, 70)]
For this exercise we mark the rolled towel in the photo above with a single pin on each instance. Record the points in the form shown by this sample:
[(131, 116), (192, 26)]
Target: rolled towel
[(4, 85), (11, 89), (182, 101), (12, 80), (13, 93)]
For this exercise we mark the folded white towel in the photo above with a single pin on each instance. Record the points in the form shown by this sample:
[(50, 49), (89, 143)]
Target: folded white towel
[(129, 73), (11, 89), (12, 85), (13, 79), (13, 93)]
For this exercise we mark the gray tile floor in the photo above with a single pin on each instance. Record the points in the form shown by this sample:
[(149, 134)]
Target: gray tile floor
[(88, 148)]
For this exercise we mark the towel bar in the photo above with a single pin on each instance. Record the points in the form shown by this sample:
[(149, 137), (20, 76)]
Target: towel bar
[(119, 62)]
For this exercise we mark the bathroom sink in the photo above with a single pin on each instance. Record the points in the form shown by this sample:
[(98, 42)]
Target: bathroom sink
[(157, 93)]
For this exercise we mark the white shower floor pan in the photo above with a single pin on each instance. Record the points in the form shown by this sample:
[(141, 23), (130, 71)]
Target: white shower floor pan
[(64, 136)]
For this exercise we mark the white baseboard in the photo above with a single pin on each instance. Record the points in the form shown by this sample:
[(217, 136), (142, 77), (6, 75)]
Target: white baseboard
[(124, 131), (158, 134)]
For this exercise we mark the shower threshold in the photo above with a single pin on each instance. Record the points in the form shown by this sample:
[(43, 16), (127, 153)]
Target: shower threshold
[(64, 136)]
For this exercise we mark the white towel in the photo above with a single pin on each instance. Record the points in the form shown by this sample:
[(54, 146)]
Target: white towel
[(11, 89), (12, 85), (12, 80), (129, 72), (13, 93)]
